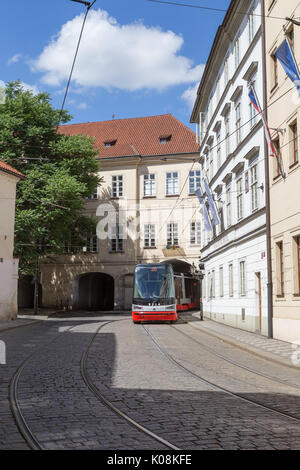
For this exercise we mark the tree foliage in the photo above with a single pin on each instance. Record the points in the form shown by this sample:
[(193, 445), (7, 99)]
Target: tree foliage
[(60, 172)]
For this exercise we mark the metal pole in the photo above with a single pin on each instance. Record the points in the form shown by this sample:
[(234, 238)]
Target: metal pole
[(201, 300), (36, 286), (267, 182)]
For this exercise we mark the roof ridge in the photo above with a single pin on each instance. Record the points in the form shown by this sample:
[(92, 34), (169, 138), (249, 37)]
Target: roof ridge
[(120, 119)]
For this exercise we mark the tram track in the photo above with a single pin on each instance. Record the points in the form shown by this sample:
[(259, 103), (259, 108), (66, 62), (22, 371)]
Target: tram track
[(215, 385), (16, 409), (232, 362), (110, 405)]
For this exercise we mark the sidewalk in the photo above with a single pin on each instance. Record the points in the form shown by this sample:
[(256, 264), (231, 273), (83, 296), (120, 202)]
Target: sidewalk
[(271, 349), (11, 325)]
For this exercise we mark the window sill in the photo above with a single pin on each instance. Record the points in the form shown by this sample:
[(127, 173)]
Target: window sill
[(172, 195), (292, 166), (150, 248), (149, 197), (116, 252)]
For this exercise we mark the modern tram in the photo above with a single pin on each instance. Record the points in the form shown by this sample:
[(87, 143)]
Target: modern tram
[(163, 290)]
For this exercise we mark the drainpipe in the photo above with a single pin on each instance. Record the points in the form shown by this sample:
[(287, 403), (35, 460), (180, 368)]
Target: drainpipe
[(137, 213), (267, 183)]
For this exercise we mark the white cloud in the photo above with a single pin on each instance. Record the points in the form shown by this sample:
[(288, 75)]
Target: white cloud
[(31, 88), (14, 59), (82, 105), (189, 95), (128, 57)]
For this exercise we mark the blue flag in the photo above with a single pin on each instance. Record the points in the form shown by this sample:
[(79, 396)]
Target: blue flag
[(286, 57), (207, 222), (212, 205)]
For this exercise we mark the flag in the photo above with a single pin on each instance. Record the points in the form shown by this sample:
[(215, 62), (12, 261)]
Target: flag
[(207, 222), (211, 202), (255, 102), (286, 57)]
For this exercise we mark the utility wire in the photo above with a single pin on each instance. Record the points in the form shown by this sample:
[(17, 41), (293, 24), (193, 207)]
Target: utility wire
[(218, 10), (88, 7)]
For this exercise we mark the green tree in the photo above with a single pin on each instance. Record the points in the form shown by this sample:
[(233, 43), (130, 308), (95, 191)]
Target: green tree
[(60, 172)]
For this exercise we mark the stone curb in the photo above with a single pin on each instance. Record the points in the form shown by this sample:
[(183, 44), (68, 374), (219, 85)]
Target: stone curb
[(245, 347), (13, 327)]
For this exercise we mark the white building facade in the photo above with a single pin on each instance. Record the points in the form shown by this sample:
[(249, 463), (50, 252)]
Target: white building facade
[(232, 149)]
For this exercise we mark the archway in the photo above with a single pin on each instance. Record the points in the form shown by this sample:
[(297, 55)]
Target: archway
[(96, 292)]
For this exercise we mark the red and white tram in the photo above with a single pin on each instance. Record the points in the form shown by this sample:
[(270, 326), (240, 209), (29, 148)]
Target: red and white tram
[(162, 290)]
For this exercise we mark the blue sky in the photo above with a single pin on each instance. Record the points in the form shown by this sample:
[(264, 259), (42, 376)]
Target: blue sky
[(137, 58)]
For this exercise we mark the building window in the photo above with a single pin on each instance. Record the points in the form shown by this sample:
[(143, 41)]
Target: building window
[(149, 185), (172, 183), (221, 281), (297, 240), (149, 236), (238, 124), (228, 207), (242, 278), (94, 195), (237, 53), (117, 186), (231, 280), (211, 163), (227, 135), (219, 161), (92, 244), (164, 139), (194, 181), (294, 143), (274, 71), (280, 263), (116, 238), (213, 284), (172, 234), (254, 188), (251, 26), (195, 233), (226, 71), (239, 186)]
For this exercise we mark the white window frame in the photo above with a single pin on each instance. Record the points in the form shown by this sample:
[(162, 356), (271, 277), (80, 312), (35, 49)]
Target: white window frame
[(117, 186), (149, 185), (230, 278), (238, 121), (254, 187), (194, 181), (116, 238), (172, 183), (228, 207), (242, 277), (239, 198), (149, 236), (92, 244), (172, 234), (221, 281), (195, 233)]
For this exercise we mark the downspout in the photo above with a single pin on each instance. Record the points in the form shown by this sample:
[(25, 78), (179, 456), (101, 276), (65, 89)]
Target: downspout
[(267, 183), (137, 211)]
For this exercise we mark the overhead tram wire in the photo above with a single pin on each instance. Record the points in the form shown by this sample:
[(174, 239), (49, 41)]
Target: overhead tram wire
[(216, 10), (88, 7)]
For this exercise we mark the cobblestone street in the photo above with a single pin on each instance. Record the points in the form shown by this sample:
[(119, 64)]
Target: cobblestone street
[(101, 382)]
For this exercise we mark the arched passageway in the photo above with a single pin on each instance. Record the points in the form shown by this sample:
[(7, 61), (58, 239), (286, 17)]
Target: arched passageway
[(96, 292)]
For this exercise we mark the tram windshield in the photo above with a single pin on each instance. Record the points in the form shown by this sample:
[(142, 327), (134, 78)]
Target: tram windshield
[(154, 283)]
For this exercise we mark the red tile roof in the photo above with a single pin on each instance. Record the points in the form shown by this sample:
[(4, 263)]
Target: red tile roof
[(137, 136), (9, 169)]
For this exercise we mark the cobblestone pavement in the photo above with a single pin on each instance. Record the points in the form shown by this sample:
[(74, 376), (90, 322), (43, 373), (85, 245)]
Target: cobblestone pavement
[(276, 348), (132, 373)]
